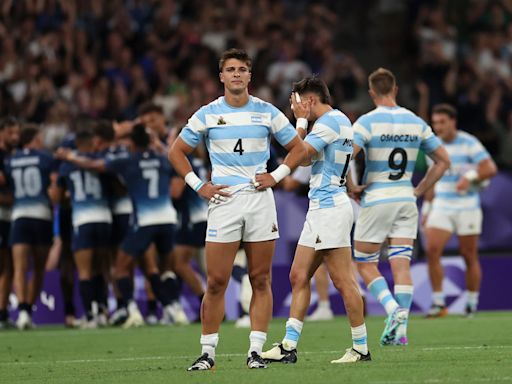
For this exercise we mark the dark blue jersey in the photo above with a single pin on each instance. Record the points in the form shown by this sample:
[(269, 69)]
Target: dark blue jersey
[(147, 178), (89, 193), (190, 203), (28, 172), (120, 202)]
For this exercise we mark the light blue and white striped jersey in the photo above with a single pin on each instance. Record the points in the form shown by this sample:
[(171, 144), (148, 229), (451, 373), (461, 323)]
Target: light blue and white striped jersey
[(331, 136), (465, 153), (238, 139), (391, 138)]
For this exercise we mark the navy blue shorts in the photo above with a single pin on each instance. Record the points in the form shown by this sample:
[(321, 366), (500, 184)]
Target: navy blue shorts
[(5, 229), (31, 231), (120, 227), (193, 235), (92, 235), (138, 240)]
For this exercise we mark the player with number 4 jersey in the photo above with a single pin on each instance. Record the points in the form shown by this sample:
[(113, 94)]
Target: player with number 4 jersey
[(237, 129), (391, 137)]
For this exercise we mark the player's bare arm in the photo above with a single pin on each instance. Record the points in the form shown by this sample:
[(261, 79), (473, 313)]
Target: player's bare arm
[(96, 165), (441, 164), (295, 157), (178, 158), (486, 170)]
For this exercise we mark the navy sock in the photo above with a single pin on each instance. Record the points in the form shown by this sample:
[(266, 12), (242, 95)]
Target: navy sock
[(152, 305), (69, 308), (125, 285), (159, 289), (172, 288), (100, 289), (120, 303), (25, 307), (4, 315), (86, 293)]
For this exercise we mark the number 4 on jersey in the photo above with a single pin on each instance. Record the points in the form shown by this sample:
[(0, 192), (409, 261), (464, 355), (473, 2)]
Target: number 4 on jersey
[(238, 147)]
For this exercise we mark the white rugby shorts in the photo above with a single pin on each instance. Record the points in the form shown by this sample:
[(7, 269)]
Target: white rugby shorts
[(390, 220), (328, 228), (463, 223), (247, 216)]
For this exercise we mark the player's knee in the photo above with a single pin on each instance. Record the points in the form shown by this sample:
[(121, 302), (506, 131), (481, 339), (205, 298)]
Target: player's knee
[(260, 282), (216, 284), (299, 278)]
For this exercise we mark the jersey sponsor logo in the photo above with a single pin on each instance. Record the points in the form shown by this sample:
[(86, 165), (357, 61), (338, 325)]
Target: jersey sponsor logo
[(318, 241), (399, 138), (347, 142), (221, 121)]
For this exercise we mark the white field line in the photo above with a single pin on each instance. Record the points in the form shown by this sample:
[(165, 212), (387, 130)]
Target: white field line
[(191, 357), (493, 379)]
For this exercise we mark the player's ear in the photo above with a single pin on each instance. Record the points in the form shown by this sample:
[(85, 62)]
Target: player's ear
[(221, 77), (395, 91)]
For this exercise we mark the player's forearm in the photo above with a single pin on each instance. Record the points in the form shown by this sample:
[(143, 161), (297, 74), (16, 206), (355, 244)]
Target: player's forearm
[(296, 155), (441, 164), (87, 163), (486, 170), (179, 161)]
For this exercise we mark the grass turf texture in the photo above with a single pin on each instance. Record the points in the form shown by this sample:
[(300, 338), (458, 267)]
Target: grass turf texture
[(448, 350)]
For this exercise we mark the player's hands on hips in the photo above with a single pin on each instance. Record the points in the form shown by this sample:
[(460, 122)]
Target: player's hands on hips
[(263, 181), (213, 193), (300, 109), (463, 185)]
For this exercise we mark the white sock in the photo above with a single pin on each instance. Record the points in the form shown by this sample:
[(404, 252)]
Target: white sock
[(472, 299), (132, 307), (324, 304), (359, 339), (209, 343), (438, 298), (293, 331), (257, 340)]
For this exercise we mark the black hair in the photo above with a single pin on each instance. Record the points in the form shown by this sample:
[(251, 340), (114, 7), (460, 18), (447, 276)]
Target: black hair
[(149, 107), (28, 133), (445, 109), (8, 121), (140, 136), (83, 137), (314, 85), (104, 130)]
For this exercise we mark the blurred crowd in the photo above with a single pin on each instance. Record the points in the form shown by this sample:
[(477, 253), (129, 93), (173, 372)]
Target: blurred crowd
[(464, 56), (62, 59)]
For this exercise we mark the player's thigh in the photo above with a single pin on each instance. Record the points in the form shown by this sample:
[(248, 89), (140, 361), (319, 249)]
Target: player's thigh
[(219, 261), (260, 216), (441, 220), (436, 240), (225, 221), (339, 265), (405, 222), (468, 222), (259, 257), (468, 246), (305, 263), (374, 224)]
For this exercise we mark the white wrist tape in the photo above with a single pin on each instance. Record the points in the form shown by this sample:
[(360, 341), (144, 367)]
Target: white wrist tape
[(426, 207), (302, 123), (193, 181), (280, 172), (471, 175)]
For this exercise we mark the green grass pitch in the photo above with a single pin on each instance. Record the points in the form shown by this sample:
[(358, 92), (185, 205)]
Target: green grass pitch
[(449, 350)]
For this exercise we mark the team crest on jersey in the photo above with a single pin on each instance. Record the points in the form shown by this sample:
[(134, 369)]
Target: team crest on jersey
[(256, 119), (221, 121), (274, 227)]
